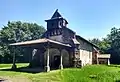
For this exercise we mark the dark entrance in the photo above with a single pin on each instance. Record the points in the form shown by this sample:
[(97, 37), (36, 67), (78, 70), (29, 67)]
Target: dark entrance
[(56, 61)]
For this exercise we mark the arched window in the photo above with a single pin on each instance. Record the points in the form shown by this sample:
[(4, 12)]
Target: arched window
[(64, 23), (60, 24)]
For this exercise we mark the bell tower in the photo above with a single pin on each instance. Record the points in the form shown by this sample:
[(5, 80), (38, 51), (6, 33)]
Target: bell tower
[(57, 29), (56, 21)]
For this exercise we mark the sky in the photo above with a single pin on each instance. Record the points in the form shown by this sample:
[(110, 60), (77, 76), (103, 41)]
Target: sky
[(88, 18)]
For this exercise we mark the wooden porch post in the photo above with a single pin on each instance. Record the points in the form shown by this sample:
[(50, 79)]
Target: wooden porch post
[(61, 60), (47, 68), (97, 58), (108, 62), (14, 66)]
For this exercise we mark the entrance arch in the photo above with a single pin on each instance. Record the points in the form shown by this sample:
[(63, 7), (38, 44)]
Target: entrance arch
[(65, 56), (56, 61), (53, 57)]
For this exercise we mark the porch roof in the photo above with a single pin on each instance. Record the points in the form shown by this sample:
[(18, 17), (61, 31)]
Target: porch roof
[(39, 41), (104, 56)]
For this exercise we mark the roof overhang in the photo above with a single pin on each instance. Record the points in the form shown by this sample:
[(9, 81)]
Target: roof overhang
[(39, 41)]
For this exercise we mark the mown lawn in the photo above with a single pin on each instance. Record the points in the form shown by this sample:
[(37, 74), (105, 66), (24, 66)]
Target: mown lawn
[(93, 73)]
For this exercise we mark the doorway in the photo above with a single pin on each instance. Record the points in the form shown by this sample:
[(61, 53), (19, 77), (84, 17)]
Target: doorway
[(56, 61)]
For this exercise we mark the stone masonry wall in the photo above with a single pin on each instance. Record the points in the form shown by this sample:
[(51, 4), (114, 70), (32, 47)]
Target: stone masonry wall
[(85, 52)]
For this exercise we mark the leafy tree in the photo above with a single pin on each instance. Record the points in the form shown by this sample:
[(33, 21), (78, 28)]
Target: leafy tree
[(17, 31), (114, 38), (103, 44), (110, 44)]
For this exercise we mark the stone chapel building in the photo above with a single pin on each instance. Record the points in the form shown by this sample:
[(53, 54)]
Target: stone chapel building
[(78, 51)]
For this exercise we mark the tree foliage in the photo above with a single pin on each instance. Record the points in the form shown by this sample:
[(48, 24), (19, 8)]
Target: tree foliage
[(17, 31), (110, 44), (103, 44), (114, 38)]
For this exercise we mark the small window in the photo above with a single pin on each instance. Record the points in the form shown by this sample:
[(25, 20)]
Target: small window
[(64, 23), (55, 32), (34, 52), (60, 23)]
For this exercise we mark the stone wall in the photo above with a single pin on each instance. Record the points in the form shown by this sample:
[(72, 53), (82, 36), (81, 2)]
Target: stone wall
[(37, 58), (57, 38), (85, 52), (66, 60)]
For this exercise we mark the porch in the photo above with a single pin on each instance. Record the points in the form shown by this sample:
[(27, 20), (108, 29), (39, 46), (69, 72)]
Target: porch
[(44, 46)]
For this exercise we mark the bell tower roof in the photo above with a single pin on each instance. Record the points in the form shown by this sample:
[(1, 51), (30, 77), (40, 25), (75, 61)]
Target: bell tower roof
[(57, 15)]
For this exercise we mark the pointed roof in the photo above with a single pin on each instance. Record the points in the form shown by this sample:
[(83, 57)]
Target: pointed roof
[(56, 14)]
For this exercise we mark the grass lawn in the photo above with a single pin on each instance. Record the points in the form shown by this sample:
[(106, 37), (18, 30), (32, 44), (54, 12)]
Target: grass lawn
[(93, 73)]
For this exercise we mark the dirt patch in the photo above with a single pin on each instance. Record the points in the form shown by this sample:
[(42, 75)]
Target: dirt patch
[(14, 79), (4, 80)]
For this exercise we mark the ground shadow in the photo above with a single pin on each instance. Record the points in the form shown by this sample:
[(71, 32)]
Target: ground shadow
[(2, 80), (117, 81), (26, 69), (114, 66)]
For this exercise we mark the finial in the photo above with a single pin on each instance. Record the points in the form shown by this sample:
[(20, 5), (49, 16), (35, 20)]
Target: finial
[(56, 10)]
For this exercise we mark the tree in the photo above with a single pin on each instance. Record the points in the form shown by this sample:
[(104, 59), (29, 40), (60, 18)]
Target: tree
[(111, 45), (114, 38), (17, 31), (103, 44)]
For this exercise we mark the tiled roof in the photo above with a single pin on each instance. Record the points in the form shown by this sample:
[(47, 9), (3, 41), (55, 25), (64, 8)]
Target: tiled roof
[(87, 41), (38, 41)]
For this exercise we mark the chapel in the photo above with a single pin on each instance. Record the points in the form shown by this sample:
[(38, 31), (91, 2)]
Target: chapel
[(72, 50)]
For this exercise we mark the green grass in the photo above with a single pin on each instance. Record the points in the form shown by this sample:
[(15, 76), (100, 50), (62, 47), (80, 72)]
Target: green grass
[(10, 65), (93, 73)]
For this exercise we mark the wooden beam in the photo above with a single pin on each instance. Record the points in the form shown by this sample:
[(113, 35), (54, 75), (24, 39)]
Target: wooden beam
[(61, 59), (108, 62), (47, 67), (14, 65)]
